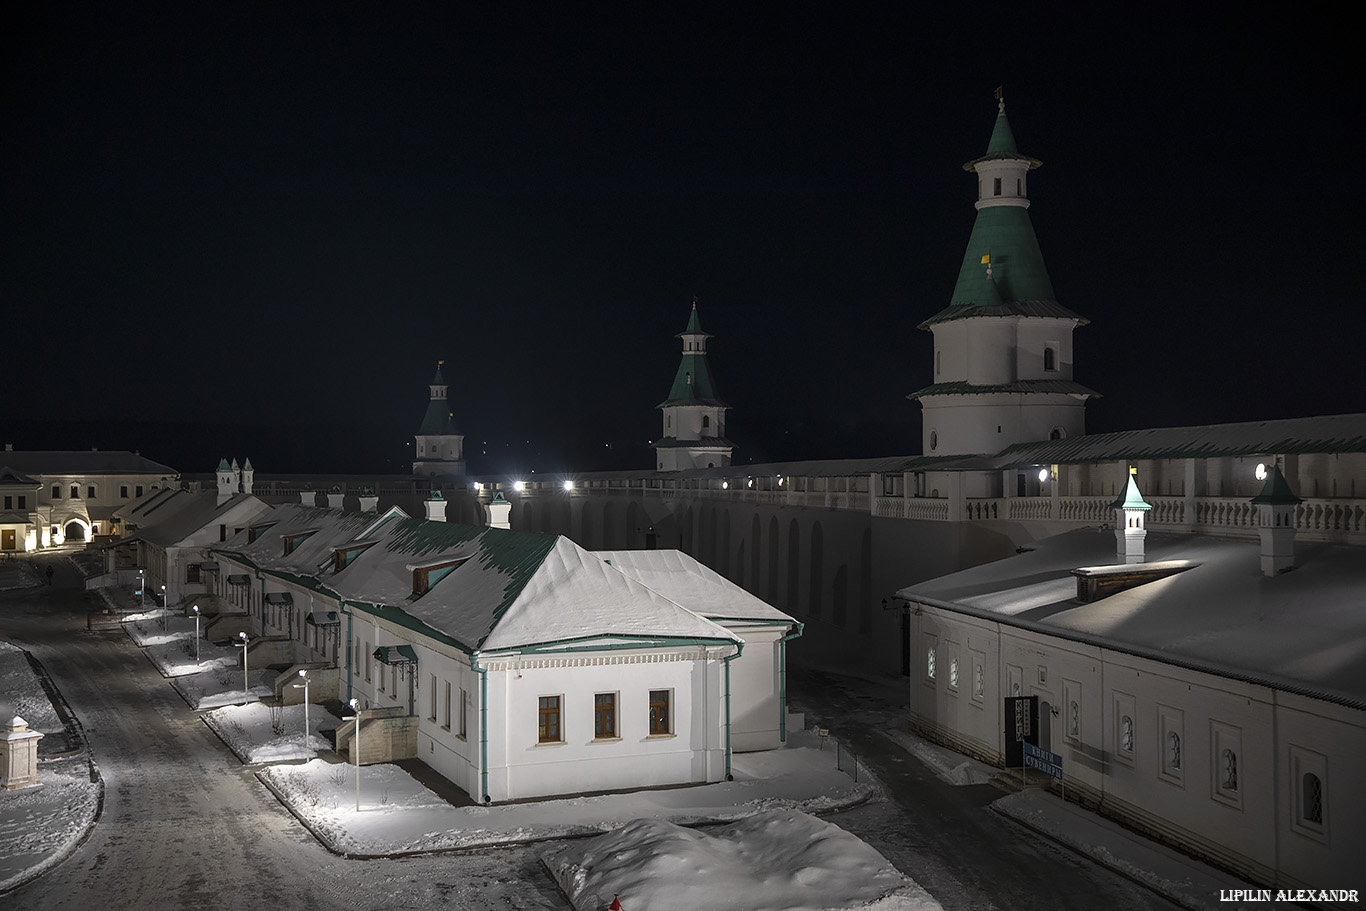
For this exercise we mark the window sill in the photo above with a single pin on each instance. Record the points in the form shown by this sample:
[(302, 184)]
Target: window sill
[(551, 743), (661, 736), (606, 740)]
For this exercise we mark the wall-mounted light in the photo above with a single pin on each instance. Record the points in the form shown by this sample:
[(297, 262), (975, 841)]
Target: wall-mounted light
[(568, 485), (519, 486), (1261, 471), (1043, 475)]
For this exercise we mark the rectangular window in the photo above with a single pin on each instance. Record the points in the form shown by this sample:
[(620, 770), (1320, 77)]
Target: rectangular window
[(381, 680), (393, 679), (548, 720), (137, 491), (123, 491), (368, 658), (1124, 727), (9, 502), (996, 187), (56, 492), (979, 677), (661, 720), (446, 716), (75, 491), (23, 502), (90, 492), (431, 711), (605, 715), (192, 572), (464, 713)]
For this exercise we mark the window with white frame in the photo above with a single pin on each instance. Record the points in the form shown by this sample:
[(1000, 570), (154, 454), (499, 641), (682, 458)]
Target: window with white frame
[(1310, 793), (1226, 747), (661, 714), (1171, 746)]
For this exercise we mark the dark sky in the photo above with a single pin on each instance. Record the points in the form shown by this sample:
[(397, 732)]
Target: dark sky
[(251, 229)]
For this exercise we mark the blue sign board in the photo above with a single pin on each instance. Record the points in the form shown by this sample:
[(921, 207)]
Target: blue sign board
[(1044, 761)]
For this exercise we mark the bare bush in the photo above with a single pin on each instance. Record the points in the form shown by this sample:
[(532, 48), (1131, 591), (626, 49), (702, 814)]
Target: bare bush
[(277, 720)]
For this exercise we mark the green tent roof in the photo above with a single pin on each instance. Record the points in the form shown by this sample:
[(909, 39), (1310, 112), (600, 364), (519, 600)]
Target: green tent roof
[(693, 384), (1276, 491), (1131, 498)]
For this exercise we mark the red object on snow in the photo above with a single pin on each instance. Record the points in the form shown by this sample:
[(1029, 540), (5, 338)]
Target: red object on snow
[(615, 906)]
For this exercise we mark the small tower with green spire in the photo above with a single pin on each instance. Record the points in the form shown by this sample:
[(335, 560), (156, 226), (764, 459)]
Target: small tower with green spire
[(694, 415), (440, 447), (1003, 345)]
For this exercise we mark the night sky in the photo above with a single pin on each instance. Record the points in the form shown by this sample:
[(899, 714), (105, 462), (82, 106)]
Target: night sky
[(252, 229)]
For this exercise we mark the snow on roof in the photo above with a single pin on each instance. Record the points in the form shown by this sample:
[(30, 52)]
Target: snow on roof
[(682, 579), (1302, 631), (512, 590), (182, 514)]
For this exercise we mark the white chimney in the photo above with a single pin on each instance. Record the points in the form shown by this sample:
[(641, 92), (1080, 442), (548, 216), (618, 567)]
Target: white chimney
[(1276, 523), (1130, 509), (334, 498), (436, 507), (308, 497), (369, 500), (500, 512)]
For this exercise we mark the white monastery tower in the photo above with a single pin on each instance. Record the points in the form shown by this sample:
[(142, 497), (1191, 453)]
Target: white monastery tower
[(1003, 346), (440, 447), (694, 415)]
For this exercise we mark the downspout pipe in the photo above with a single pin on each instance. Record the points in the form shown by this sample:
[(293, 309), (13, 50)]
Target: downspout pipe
[(782, 680), (739, 648), (341, 603), (483, 673)]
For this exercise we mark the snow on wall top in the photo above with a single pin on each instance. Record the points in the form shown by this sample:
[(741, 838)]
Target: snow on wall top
[(679, 577), (1303, 631)]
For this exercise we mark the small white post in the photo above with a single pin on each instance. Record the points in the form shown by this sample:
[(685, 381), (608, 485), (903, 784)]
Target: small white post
[(355, 706), (303, 675), (195, 608), (246, 689)]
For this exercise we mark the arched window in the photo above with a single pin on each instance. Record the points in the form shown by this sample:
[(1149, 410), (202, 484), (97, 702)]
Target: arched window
[(1173, 751), (1126, 734), (1055, 433), (1050, 359), (1312, 797), (1228, 762), (706, 421), (934, 440)]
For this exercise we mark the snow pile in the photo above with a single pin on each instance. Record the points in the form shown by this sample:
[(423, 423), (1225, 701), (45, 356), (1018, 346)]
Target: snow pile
[(21, 694), (950, 767), (782, 860), (218, 687), (260, 733), (399, 814)]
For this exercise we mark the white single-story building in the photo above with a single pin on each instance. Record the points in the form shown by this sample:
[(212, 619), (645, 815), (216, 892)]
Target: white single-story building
[(1210, 692), (517, 665)]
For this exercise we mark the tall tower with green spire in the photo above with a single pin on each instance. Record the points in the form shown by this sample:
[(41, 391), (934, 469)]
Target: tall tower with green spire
[(440, 447), (694, 415), (1003, 345)]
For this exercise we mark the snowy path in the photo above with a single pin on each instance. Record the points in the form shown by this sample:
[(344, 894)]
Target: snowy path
[(185, 825)]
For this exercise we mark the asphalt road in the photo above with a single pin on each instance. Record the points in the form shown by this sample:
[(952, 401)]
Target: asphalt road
[(186, 826)]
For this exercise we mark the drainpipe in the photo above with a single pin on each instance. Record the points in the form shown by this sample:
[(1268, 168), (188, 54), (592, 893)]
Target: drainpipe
[(782, 681), (739, 647), (262, 579), (483, 726), (341, 603)]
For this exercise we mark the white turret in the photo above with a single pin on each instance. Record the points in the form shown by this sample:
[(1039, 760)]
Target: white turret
[(1130, 534), (1276, 523), (436, 507), (694, 415), (247, 475), (227, 481)]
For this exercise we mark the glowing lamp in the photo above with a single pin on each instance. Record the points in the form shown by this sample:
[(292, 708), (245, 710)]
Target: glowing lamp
[(1261, 471), (519, 486)]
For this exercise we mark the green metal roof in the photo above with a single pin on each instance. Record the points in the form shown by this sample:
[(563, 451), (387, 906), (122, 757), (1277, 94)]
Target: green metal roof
[(1019, 284), (223, 465), (1276, 491), (437, 421), (694, 325), (1002, 145), (962, 387), (1131, 498), (693, 384)]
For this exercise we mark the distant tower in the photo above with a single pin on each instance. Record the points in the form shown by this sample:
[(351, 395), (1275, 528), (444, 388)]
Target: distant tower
[(694, 415), (1003, 346), (1130, 534), (227, 481), (440, 447), (248, 477)]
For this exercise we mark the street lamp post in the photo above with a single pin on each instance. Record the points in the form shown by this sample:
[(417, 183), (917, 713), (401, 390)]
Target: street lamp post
[(195, 608), (303, 675), (355, 706), (141, 600), (242, 641), (164, 608)]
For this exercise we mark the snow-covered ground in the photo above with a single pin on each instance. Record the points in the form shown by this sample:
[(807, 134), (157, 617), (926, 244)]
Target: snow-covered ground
[(779, 860), (172, 649), (400, 815), (261, 733), (953, 768), (39, 825)]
